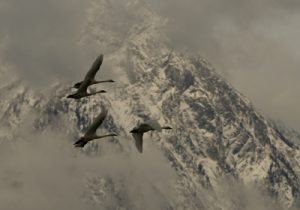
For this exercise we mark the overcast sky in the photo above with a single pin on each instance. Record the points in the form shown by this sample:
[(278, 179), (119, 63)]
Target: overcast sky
[(253, 44), (41, 38)]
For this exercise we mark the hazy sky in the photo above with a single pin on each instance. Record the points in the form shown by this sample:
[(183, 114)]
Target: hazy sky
[(41, 38), (253, 44)]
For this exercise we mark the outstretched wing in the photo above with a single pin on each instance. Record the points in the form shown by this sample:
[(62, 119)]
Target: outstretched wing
[(83, 86), (94, 68), (90, 76), (97, 122), (138, 138)]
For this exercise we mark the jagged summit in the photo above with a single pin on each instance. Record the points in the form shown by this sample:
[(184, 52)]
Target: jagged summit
[(217, 133)]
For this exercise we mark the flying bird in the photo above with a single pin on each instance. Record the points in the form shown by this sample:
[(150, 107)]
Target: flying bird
[(92, 73), (138, 132), (91, 131), (88, 80), (82, 92)]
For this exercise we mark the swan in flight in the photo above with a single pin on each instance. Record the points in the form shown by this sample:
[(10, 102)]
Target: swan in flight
[(91, 131), (82, 92), (88, 80), (138, 132), (90, 76)]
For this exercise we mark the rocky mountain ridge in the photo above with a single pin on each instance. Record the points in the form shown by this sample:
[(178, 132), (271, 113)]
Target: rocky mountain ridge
[(217, 133)]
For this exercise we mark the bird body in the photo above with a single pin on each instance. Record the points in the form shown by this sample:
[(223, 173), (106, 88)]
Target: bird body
[(139, 131), (89, 79), (85, 139), (90, 76), (77, 85), (142, 128), (82, 94)]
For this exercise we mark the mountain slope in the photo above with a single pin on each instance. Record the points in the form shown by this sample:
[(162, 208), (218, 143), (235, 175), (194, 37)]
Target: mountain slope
[(218, 137)]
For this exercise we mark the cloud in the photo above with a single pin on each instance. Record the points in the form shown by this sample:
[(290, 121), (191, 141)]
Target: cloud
[(42, 170), (48, 41), (41, 38)]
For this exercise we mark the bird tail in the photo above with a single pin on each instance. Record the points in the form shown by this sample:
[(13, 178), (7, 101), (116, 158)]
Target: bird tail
[(79, 143), (71, 96)]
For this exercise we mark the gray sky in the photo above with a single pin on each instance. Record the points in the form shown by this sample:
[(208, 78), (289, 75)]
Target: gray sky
[(253, 44), (41, 38)]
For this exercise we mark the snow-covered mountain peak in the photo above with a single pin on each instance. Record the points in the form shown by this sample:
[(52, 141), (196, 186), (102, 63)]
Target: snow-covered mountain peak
[(217, 134)]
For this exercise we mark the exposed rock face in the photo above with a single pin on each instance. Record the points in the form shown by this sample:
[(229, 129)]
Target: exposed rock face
[(217, 134)]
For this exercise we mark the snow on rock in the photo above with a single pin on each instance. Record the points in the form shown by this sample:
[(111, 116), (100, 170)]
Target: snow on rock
[(217, 133)]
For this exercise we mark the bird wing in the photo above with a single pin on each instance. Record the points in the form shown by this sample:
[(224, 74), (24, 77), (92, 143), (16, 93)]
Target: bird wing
[(97, 122), (138, 137), (94, 68), (83, 87), (90, 76)]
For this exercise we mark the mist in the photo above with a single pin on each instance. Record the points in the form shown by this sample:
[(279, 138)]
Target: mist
[(254, 45), (42, 170)]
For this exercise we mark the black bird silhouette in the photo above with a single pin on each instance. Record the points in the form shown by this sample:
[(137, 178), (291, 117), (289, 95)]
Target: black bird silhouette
[(89, 80), (91, 131)]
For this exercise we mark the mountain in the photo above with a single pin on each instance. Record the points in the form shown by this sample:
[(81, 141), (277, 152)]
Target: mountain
[(219, 146)]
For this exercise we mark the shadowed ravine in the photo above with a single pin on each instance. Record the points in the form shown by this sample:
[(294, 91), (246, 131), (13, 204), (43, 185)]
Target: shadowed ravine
[(220, 154)]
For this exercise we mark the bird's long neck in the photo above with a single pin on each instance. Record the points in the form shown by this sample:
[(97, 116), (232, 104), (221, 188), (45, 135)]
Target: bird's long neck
[(99, 137), (166, 127), (102, 81), (101, 91)]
